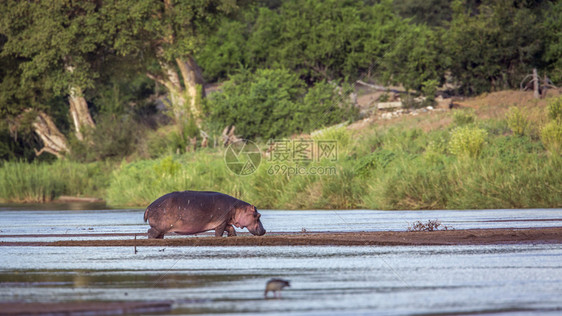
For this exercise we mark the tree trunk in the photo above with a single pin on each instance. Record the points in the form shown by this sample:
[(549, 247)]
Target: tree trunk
[(536, 92), (176, 94), (78, 106), (54, 141), (184, 99), (193, 82), (79, 112)]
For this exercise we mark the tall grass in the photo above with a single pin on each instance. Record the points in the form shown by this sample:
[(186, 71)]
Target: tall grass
[(270, 186), (141, 182), (387, 168), (43, 182), (513, 172)]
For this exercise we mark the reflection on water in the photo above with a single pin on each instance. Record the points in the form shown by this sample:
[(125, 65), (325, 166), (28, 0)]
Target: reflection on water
[(521, 279), (324, 279)]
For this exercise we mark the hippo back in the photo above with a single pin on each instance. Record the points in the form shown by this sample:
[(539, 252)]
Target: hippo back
[(199, 204)]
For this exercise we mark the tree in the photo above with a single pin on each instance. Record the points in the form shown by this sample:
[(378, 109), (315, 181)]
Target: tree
[(320, 40), (53, 44), (495, 48), (553, 42), (169, 33), (317, 38), (414, 58), (430, 12)]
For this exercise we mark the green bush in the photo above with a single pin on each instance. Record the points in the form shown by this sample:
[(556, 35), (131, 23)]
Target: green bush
[(555, 109), (429, 88), (410, 102), (551, 136), (467, 141), (531, 182), (326, 104), (517, 122), (273, 103), (114, 137), (461, 118)]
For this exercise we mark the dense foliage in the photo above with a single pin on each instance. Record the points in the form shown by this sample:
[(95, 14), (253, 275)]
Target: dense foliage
[(284, 65), (276, 103)]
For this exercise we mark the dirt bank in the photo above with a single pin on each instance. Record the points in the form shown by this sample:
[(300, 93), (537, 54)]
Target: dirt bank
[(449, 237)]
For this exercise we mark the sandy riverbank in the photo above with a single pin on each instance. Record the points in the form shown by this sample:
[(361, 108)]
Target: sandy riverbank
[(380, 238)]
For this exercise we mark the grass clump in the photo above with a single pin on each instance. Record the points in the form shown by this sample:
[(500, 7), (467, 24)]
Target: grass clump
[(517, 122), (554, 109), (465, 117), (551, 136), (467, 141)]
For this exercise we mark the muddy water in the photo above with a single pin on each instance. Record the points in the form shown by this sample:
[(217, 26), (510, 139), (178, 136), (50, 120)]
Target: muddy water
[(512, 279)]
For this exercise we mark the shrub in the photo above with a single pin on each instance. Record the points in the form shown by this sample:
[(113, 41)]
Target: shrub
[(461, 118), (555, 109), (326, 104), (512, 149), (551, 136), (272, 103), (114, 137), (409, 102), (179, 140), (467, 141), (517, 122), (429, 88)]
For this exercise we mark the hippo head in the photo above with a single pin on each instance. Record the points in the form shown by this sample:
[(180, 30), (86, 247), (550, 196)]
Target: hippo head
[(247, 216)]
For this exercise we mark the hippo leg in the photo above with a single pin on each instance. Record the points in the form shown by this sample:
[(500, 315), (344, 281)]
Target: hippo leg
[(230, 230), (220, 230), (153, 233)]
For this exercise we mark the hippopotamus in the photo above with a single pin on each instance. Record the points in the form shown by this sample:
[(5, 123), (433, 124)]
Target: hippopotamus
[(192, 212)]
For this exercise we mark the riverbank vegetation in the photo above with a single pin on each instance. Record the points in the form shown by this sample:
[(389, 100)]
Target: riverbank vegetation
[(468, 159), (128, 100)]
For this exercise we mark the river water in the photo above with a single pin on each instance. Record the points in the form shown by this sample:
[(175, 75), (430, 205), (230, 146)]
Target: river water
[(325, 280)]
